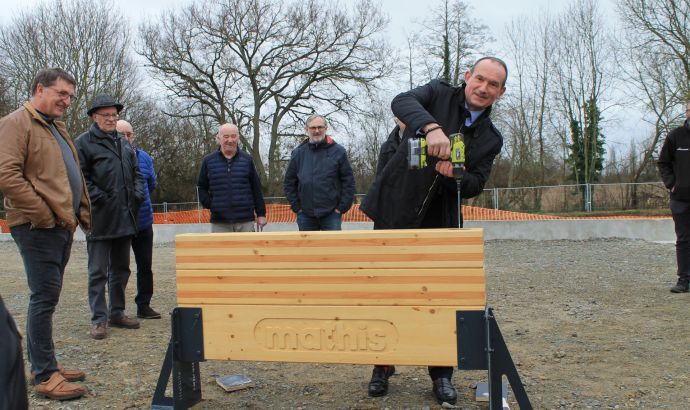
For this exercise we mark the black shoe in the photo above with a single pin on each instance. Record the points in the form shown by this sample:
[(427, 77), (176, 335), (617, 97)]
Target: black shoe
[(444, 391), (681, 286), (378, 385), (147, 313)]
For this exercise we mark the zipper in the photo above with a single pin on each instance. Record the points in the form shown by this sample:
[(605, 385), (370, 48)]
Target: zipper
[(428, 195)]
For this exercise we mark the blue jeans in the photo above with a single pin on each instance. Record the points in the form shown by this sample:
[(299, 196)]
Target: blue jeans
[(232, 227), (330, 222), (45, 253)]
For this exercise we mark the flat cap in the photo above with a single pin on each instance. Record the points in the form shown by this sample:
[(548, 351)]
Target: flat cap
[(104, 100)]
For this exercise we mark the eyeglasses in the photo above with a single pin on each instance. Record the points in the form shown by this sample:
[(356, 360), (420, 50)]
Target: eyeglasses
[(317, 128), (108, 116), (127, 134), (62, 93)]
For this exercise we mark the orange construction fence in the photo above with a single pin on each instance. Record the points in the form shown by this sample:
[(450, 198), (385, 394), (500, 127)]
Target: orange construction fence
[(281, 213)]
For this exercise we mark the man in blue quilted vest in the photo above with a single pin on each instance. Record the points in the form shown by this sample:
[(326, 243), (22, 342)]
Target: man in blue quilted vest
[(142, 243), (230, 187)]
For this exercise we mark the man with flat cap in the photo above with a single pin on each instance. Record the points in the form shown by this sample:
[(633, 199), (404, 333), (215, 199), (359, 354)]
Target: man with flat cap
[(116, 189)]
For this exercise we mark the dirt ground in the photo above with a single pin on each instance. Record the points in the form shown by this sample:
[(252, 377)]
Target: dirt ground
[(590, 324)]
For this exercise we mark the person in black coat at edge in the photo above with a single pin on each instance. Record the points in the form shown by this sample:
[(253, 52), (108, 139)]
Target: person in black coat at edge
[(401, 198), (674, 167), (12, 383)]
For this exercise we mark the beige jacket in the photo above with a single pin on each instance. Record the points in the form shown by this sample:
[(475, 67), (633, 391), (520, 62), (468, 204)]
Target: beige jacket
[(33, 177)]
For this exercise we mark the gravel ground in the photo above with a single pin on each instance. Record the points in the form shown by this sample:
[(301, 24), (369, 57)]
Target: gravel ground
[(590, 324)]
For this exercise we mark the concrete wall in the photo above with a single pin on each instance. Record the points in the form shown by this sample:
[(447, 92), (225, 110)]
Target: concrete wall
[(656, 230)]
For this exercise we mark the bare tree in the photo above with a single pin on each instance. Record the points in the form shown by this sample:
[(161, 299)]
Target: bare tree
[(451, 40), (662, 27), (656, 43), (86, 38), (527, 107), (6, 104), (583, 76), (266, 65), (368, 128)]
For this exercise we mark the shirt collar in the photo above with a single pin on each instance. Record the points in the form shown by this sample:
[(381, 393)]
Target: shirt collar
[(473, 116)]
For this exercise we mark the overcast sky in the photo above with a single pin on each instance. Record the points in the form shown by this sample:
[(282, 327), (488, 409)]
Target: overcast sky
[(494, 13), (402, 13)]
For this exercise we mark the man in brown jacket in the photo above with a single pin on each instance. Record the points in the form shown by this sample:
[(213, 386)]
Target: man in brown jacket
[(45, 199)]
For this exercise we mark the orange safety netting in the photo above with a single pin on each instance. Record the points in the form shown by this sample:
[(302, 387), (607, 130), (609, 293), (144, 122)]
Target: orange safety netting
[(277, 213), (281, 213)]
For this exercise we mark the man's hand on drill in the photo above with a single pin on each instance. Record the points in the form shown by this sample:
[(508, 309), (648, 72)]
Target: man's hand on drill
[(437, 143), (445, 168)]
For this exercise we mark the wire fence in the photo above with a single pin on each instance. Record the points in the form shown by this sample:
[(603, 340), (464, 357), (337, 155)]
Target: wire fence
[(572, 198), (521, 203)]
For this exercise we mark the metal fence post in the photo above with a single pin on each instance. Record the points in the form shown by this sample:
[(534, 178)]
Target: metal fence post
[(198, 208), (165, 211), (495, 199)]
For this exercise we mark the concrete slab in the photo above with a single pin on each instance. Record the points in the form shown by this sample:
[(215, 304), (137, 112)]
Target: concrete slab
[(653, 230)]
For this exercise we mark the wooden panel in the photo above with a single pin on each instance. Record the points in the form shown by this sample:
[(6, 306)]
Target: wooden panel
[(333, 287), (358, 268), (432, 248), (339, 334)]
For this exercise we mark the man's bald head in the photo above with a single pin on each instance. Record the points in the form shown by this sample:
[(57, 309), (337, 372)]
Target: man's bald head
[(228, 128), (228, 138), (125, 128)]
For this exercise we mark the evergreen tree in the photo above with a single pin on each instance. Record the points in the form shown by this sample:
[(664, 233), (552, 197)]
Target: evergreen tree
[(587, 147)]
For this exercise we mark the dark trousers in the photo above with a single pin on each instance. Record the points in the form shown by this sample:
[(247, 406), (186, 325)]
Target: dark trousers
[(330, 222), (142, 245), (438, 216), (681, 221), (45, 253), (12, 379), (108, 264)]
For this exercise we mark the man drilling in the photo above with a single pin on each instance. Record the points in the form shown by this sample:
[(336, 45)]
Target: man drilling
[(402, 198)]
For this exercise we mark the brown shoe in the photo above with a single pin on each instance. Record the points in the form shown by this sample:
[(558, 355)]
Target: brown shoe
[(69, 374), (98, 331), (58, 388), (124, 322)]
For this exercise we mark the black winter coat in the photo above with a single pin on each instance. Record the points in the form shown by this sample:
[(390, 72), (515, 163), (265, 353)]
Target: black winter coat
[(388, 149), (399, 197), (319, 179), (116, 187), (12, 382), (674, 163), (230, 188)]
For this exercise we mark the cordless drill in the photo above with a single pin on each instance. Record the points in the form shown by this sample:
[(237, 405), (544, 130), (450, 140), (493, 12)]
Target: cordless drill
[(417, 159)]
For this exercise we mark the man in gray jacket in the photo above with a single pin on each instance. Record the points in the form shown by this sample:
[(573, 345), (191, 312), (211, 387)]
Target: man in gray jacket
[(116, 189)]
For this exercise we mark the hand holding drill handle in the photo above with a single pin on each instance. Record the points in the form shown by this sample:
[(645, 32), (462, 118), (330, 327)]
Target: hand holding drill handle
[(437, 143), (451, 151)]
